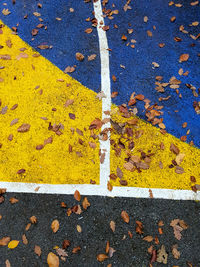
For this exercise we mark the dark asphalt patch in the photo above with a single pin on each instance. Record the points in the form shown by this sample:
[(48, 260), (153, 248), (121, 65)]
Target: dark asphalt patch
[(96, 230)]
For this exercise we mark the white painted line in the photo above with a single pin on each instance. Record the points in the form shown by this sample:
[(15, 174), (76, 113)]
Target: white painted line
[(96, 190), (105, 88)]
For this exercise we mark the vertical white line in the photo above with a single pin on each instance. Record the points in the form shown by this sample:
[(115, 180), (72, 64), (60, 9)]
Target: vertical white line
[(105, 88)]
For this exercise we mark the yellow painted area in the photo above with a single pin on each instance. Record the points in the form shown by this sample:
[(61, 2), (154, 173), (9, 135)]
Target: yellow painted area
[(149, 142), (36, 86)]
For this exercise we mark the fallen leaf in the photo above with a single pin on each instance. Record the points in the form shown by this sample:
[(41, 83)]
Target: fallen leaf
[(162, 255), (179, 158), (77, 195), (33, 219), (5, 12), (55, 226), (14, 122), (112, 226), (79, 56), (24, 239), (69, 102), (7, 262), (78, 228), (183, 57), (37, 250), (88, 30), (148, 238), (149, 33), (13, 244), (101, 95), (4, 241), (92, 57), (61, 252), (174, 149), (101, 257), (85, 203), (52, 260), (13, 200), (111, 252), (175, 252), (125, 216), (76, 249), (24, 128)]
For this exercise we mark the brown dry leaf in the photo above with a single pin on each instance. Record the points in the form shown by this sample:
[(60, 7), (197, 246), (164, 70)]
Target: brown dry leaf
[(125, 216), (101, 257), (69, 69), (183, 57), (148, 238), (162, 255), (112, 226), (88, 30), (111, 252), (13, 200), (5, 57), (14, 122), (24, 239), (33, 219), (7, 262), (77, 195), (194, 3), (76, 249), (175, 252), (174, 149), (61, 252), (149, 33), (37, 14), (24, 128), (43, 47), (95, 124), (37, 250), (4, 241), (5, 12), (85, 203), (55, 226), (79, 56), (107, 247), (69, 102), (92, 57), (9, 43), (109, 186), (52, 260), (28, 226), (119, 173)]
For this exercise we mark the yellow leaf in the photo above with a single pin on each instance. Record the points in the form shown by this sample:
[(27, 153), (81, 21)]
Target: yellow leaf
[(13, 244), (55, 226), (52, 260)]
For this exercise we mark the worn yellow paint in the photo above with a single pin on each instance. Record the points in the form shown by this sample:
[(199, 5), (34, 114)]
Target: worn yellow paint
[(53, 164), (155, 177)]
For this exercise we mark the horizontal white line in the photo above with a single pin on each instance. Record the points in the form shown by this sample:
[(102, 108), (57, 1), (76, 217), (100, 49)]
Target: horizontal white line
[(97, 190)]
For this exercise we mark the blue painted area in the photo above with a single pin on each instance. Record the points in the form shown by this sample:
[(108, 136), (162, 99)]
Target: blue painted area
[(139, 76), (66, 36)]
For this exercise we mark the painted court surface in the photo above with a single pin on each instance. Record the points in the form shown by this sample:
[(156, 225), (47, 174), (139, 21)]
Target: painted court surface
[(102, 97), (56, 129), (51, 124)]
